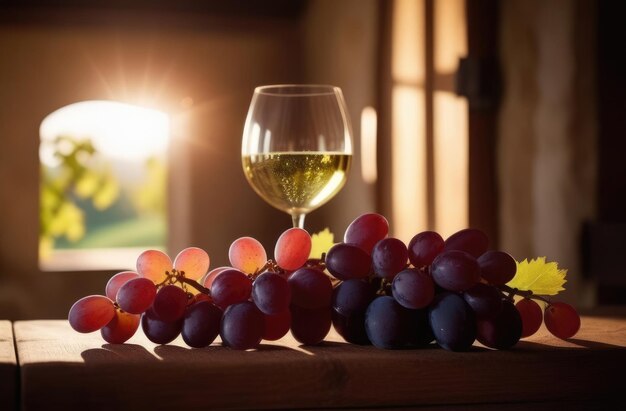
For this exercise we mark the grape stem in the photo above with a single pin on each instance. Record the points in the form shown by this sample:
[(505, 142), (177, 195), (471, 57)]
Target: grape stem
[(175, 275), (195, 285), (522, 293)]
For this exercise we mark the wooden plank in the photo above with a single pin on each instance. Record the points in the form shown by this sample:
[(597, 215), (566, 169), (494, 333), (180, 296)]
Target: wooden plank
[(63, 369), (8, 367)]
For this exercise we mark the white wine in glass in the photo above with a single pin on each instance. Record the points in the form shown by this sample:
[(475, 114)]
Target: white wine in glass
[(297, 146)]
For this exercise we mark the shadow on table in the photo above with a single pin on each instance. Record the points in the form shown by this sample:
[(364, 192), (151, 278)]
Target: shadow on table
[(534, 346)]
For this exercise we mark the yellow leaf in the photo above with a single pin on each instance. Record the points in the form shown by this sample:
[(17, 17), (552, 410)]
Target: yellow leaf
[(321, 243), (539, 277)]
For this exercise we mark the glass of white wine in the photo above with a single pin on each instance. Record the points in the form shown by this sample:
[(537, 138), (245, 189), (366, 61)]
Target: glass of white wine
[(297, 146)]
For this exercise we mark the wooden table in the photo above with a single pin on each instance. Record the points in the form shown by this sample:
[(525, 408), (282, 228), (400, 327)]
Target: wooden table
[(61, 369), (8, 367)]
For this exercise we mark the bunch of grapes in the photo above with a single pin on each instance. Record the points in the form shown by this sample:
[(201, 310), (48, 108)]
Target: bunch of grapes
[(379, 292), (452, 291)]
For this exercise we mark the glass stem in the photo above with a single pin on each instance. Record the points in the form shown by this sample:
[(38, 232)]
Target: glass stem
[(298, 220)]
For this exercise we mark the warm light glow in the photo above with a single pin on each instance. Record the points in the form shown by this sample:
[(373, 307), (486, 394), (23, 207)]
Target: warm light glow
[(407, 61), (368, 145), (450, 34), (117, 130), (408, 147), (451, 163)]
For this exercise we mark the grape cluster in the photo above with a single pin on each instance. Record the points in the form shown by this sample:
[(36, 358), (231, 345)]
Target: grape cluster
[(379, 292)]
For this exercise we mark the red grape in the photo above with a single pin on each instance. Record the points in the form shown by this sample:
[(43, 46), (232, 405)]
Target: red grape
[(562, 320), (230, 287), (531, 314), (91, 313), (118, 280), (136, 296), (154, 264), (247, 255), (424, 247), (366, 230), (497, 267), (193, 261), (470, 240), (121, 327), (170, 303), (292, 248)]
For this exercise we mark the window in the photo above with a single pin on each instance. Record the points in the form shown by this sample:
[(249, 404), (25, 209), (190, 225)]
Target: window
[(429, 122), (103, 185)]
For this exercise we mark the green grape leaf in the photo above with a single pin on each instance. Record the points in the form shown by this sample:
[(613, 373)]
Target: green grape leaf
[(107, 194), (539, 276), (321, 242), (87, 185)]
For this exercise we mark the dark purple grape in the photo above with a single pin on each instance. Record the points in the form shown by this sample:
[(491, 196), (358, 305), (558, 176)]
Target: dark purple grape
[(242, 326), (366, 230), (277, 325), (413, 288), (310, 288), (424, 247), (502, 331), (271, 293), (470, 240), (201, 324), (159, 331), (310, 326), (497, 267), (351, 327), (389, 257), (455, 271), (353, 296), (485, 300), (387, 323), (347, 261), (230, 287), (452, 322), (170, 303)]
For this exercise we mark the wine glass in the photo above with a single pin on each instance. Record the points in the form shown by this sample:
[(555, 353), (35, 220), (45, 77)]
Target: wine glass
[(297, 146)]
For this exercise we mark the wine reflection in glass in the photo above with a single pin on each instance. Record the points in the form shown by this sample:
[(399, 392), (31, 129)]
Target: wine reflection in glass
[(297, 146)]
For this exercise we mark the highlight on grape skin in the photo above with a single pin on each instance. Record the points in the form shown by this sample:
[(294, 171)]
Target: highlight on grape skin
[(366, 230), (153, 264), (91, 313), (208, 279), (292, 248), (193, 261), (247, 254)]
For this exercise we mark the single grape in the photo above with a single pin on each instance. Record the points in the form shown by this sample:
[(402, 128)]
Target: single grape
[(561, 320), (159, 331), (154, 265), (201, 324), (347, 261), (485, 300), (531, 314), (353, 296), (208, 279), (271, 293), (351, 327), (497, 267), (310, 288), (230, 287), (389, 257), (137, 295), (277, 325), (502, 331), (120, 328), (470, 240), (455, 270), (424, 247), (292, 248), (387, 323), (413, 288), (91, 313), (193, 261), (118, 280), (247, 254), (242, 326), (366, 230), (310, 326), (170, 303), (452, 322)]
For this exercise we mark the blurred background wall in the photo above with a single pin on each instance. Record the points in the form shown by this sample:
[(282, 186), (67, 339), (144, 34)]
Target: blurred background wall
[(536, 172)]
